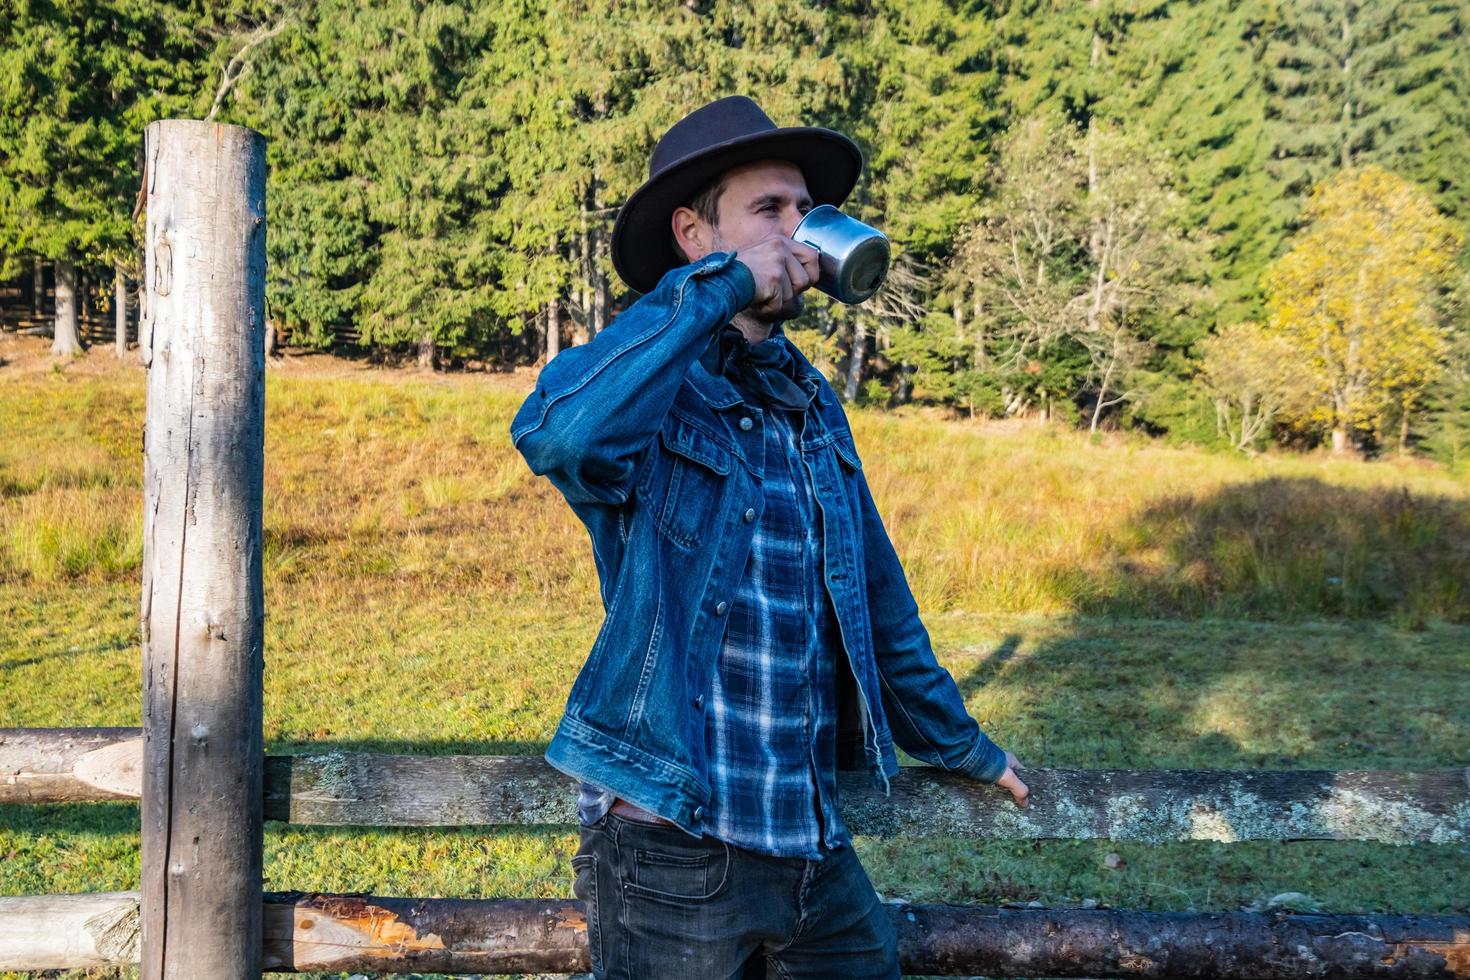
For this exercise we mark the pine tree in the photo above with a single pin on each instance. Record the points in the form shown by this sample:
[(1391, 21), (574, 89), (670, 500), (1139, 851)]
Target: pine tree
[(380, 186), (78, 84), (1370, 81)]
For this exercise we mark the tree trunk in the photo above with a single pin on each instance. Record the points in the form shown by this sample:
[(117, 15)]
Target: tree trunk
[(1094, 242), (66, 339), (38, 287), (599, 285), (905, 384), (982, 355), (584, 283), (1339, 440), (598, 319), (271, 333), (1102, 393), (119, 312), (203, 605), (141, 297), (428, 353), (855, 360), (1347, 87), (553, 330), (1404, 431)]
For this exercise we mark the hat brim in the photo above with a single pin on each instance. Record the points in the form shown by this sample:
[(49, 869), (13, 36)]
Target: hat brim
[(641, 240)]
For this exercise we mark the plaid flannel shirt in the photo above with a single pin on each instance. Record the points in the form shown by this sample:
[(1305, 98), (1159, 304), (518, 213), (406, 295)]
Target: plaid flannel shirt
[(771, 717)]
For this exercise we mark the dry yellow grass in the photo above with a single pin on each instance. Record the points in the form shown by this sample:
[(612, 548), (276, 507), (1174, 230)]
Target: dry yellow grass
[(394, 482)]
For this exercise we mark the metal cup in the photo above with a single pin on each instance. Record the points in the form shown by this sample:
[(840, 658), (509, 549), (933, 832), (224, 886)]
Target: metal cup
[(854, 256)]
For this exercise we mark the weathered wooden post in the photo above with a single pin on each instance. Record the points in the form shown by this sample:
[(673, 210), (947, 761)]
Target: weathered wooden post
[(202, 610)]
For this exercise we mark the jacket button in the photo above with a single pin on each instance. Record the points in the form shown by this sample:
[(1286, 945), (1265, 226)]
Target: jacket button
[(721, 607), (698, 814), (749, 515), (699, 703), (746, 424)]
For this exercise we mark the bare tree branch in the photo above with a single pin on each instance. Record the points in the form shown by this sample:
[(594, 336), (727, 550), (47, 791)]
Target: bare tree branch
[(239, 64)]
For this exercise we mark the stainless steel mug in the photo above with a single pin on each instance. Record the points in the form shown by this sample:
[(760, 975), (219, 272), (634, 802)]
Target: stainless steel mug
[(854, 256)]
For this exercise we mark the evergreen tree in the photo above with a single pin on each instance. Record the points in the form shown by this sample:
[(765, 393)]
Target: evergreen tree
[(1367, 81), (79, 82)]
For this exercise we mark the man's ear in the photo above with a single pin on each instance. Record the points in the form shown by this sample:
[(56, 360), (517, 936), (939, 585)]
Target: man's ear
[(692, 233)]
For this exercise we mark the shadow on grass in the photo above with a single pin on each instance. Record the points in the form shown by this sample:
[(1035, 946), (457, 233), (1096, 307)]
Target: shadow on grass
[(1288, 547), (70, 818), (1185, 653), (388, 746)]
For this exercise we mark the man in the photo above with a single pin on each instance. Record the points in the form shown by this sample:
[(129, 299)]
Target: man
[(758, 627)]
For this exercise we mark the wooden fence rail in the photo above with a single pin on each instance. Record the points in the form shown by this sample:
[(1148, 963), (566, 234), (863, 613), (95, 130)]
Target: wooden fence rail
[(368, 789), (411, 935)]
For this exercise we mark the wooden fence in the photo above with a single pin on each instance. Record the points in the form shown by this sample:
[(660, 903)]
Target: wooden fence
[(95, 327), (205, 786)]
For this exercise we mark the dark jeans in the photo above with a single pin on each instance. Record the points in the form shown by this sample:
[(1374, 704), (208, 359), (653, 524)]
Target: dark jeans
[(662, 905)]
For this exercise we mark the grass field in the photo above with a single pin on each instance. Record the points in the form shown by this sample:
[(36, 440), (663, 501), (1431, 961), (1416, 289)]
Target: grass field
[(1117, 604)]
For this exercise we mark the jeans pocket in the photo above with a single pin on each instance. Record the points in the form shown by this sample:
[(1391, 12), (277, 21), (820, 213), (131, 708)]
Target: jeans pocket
[(680, 875), (584, 886)]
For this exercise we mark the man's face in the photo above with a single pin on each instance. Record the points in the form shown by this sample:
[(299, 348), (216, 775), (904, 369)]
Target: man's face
[(761, 200)]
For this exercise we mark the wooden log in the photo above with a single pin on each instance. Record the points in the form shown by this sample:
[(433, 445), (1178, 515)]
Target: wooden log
[(202, 610), (351, 789), (70, 765), (951, 940), (347, 789), (68, 932), (311, 932)]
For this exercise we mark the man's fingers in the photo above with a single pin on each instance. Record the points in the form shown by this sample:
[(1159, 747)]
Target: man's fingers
[(780, 294), (796, 274), (809, 259), (1018, 789)]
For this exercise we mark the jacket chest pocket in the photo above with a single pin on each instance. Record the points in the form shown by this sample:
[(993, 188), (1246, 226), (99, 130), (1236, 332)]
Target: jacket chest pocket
[(686, 485)]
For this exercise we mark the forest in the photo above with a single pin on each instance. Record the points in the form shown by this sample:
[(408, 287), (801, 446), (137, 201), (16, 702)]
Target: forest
[(1230, 223)]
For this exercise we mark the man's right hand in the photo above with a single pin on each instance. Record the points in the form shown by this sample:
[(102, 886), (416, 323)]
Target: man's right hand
[(783, 269)]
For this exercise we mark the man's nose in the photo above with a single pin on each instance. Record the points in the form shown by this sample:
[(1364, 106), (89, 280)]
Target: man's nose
[(790, 218)]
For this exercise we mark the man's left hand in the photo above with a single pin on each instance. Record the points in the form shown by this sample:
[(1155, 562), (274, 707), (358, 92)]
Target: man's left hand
[(1013, 782)]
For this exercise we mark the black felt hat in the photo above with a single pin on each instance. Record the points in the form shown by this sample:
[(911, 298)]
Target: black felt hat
[(700, 147)]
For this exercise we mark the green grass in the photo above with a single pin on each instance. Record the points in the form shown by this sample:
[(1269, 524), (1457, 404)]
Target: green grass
[(1120, 605)]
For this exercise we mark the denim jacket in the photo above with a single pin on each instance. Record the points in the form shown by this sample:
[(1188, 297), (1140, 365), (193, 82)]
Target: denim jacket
[(663, 461)]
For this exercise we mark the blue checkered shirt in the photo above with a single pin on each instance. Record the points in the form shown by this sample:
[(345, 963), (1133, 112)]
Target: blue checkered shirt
[(771, 715)]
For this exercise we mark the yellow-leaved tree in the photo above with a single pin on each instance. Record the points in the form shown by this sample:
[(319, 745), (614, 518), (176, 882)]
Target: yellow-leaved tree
[(1361, 297)]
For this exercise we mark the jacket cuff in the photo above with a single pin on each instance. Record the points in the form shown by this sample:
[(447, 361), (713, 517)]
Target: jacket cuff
[(986, 761), (724, 269)]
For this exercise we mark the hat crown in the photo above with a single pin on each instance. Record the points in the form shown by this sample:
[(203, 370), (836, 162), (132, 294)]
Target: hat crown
[(722, 120)]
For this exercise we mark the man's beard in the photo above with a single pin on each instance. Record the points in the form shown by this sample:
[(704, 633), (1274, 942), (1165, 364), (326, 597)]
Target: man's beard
[(790, 311)]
